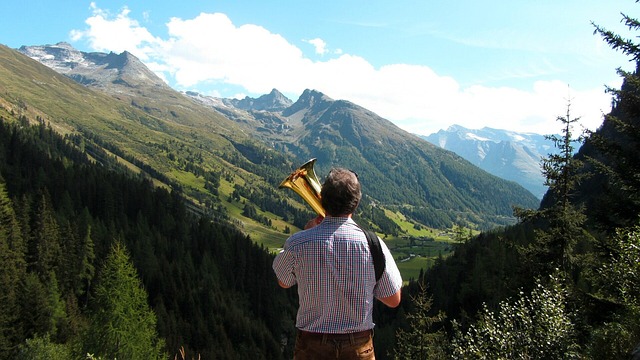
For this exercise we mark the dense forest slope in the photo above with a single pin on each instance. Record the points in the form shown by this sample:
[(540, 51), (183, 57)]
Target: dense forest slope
[(210, 286)]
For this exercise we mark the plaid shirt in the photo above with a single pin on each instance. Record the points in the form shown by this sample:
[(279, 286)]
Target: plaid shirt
[(333, 268)]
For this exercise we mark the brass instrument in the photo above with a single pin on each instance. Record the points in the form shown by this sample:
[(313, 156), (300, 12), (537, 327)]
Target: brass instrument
[(306, 184)]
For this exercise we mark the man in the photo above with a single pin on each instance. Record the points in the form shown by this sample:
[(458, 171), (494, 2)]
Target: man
[(332, 265)]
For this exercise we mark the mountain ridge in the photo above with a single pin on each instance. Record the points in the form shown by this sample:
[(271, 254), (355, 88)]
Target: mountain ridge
[(274, 101), (123, 68), (510, 155), (399, 170), (339, 131)]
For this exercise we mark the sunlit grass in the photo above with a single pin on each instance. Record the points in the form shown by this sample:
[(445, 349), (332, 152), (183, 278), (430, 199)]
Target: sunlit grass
[(410, 268), (188, 179), (408, 228)]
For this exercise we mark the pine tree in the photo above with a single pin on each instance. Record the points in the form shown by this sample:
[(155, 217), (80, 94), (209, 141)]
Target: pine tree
[(421, 341), (560, 223), (79, 254), (45, 237), (68, 255), (35, 311), (618, 140), (617, 210), (12, 270), (122, 325), (56, 312), (86, 256)]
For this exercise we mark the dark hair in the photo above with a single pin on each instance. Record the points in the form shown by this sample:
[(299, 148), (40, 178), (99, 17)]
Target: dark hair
[(340, 194)]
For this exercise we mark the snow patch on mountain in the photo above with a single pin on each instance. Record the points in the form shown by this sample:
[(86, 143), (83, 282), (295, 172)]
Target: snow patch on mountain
[(472, 136), (507, 154), (112, 72)]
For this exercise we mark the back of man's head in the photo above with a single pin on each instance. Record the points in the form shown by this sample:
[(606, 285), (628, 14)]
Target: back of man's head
[(340, 194)]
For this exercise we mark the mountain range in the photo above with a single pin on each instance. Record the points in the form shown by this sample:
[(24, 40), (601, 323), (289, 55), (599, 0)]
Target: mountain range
[(510, 155), (343, 132), (218, 151)]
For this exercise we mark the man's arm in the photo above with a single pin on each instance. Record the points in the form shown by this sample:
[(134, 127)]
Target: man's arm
[(391, 301), (283, 285), (283, 268), (391, 280)]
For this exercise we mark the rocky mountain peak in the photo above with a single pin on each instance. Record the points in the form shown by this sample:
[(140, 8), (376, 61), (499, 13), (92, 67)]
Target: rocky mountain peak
[(61, 57), (310, 100), (108, 71), (277, 98), (274, 101), (313, 96)]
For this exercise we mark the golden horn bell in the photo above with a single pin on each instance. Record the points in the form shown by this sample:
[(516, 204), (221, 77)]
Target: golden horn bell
[(306, 184)]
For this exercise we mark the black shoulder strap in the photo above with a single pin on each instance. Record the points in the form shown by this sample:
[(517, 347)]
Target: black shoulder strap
[(376, 252)]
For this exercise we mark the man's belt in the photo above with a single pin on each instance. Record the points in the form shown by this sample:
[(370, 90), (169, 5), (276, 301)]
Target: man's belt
[(349, 336)]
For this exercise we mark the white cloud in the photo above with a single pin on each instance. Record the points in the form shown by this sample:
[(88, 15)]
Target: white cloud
[(210, 49), (118, 34), (319, 44)]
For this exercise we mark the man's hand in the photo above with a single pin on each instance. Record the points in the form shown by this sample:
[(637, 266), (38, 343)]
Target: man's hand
[(314, 222)]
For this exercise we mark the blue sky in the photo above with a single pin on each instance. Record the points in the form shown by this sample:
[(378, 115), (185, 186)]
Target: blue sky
[(424, 65)]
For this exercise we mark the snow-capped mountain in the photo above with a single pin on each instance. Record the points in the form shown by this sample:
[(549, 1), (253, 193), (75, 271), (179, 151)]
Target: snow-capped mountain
[(101, 70), (507, 154)]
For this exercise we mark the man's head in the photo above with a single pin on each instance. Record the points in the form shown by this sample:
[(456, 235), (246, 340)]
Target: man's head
[(340, 194)]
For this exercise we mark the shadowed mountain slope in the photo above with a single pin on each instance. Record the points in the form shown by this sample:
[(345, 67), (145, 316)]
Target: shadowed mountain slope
[(399, 171), (185, 135)]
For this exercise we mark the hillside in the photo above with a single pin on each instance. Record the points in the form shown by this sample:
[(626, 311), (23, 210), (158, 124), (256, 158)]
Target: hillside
[(207, 286), (232, 152), (160, 134), (399, 171)]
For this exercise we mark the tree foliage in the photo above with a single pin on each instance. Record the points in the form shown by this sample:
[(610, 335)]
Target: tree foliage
[(122, 325), (211, 288), (613, 149), (12, 256), (425, 338), (535, 326), (42, 348), (560, 224), (620, 276)]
